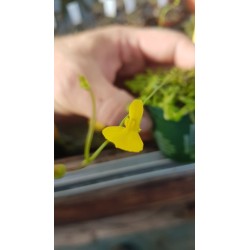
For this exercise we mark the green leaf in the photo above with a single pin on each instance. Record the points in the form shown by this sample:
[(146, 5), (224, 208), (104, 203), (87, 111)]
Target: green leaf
[(177, 93)]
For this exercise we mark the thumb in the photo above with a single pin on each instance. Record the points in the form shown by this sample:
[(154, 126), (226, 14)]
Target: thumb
[(112, 109)]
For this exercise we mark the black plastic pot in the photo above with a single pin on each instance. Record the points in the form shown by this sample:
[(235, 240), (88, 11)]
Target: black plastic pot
[(176, 140)]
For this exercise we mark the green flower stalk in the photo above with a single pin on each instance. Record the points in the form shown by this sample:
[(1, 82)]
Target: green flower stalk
[(91, 129), (87, 158)]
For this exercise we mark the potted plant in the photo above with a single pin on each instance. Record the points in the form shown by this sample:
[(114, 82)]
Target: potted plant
[(169, 97)]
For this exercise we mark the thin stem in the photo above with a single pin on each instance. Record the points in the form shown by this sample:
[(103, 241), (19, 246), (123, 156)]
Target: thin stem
[(99, 150), (153, 92), (91, 128), (85, 162)]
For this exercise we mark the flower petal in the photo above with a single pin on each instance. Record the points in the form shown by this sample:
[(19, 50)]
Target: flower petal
[(113, 133), (123, 138), (130, 142), (136, 110)]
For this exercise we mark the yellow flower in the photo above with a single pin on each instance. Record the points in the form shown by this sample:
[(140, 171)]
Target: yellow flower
[(127, 138)]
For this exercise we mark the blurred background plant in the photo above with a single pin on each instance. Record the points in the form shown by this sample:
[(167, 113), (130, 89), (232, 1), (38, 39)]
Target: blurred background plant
[(75, 15)]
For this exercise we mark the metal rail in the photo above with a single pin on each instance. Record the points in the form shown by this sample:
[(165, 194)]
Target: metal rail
[(139, 168)]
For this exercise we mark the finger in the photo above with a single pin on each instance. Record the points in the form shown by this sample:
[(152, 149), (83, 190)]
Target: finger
[(167, 46), (111, 102), (79, 100), (112, 110), (155, 46)]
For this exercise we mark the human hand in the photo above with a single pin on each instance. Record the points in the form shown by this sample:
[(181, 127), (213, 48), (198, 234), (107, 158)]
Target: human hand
[(102, 55)]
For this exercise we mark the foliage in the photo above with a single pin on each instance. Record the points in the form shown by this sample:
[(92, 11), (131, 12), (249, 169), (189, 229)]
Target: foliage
[(175, 94)]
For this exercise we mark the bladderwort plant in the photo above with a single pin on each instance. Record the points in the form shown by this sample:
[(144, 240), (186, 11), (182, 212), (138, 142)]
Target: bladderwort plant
[(126, 135)]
